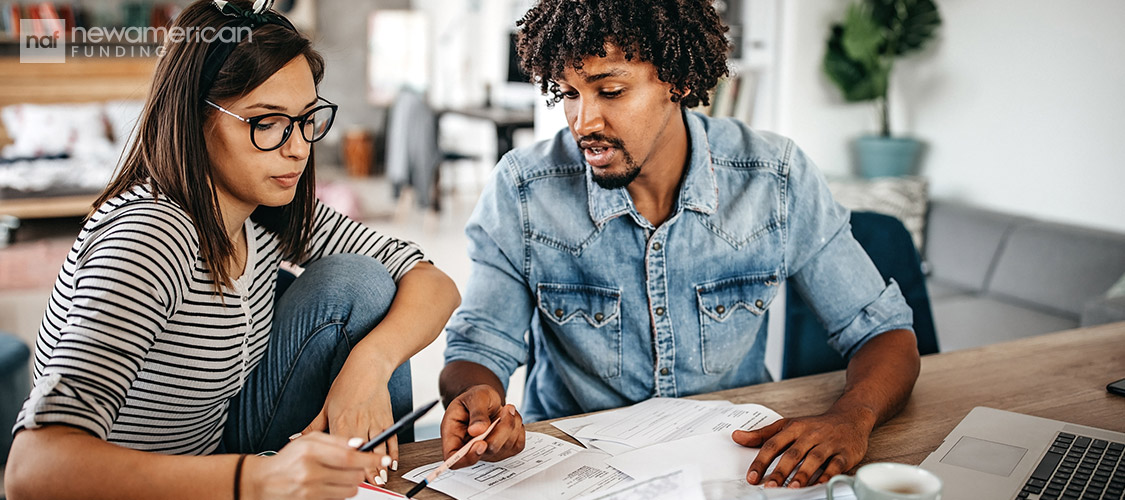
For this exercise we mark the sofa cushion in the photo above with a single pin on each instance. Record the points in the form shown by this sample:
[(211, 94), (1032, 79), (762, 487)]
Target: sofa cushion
[(941, 290), (1056, 267), (961, 243), (1103, 310), (968, 321)]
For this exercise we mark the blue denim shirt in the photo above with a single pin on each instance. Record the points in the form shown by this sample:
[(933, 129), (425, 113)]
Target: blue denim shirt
[(609, 310)]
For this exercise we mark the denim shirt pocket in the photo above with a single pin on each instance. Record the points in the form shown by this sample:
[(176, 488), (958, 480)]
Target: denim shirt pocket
[(587, 321), (730, 314)]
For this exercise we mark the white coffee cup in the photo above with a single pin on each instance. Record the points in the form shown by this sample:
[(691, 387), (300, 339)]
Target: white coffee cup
[(891, 481)]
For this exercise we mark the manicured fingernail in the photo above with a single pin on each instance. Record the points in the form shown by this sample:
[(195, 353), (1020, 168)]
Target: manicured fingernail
[(752, 477), (295, 436), (771, 484), (794, 484), (394, 465), (383, 475), (512, 410), (355, 442), (380, 481), (481, 447), (386, 461)]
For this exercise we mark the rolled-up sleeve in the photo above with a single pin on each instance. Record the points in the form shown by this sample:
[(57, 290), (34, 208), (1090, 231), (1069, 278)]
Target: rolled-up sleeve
[(491, 326), (830, 269), (124, 293)]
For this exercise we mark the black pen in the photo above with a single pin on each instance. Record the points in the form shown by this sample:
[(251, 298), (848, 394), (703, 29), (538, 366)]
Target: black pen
[(397, 426)]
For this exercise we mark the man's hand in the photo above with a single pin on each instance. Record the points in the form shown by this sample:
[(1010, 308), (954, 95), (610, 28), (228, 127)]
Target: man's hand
[(880, 377), (836, 441), (469, 415)]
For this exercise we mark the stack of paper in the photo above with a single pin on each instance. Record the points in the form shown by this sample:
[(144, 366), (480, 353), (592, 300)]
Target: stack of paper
[(661, 420), (548, 468), (681, 448)]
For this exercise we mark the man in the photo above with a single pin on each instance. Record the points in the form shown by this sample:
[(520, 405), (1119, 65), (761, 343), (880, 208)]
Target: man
[(635, 254)]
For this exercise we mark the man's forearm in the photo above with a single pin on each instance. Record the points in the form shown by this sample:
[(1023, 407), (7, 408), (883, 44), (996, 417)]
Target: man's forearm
[(458, 376), (880, 377)]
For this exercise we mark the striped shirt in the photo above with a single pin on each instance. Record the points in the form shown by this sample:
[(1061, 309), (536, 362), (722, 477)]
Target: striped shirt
[(136, 348)]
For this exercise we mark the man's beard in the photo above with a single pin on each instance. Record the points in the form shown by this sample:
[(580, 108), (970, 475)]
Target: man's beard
[(614, 181)]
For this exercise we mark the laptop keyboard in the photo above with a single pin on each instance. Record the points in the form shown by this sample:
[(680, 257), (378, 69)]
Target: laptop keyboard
[(1078, 468)]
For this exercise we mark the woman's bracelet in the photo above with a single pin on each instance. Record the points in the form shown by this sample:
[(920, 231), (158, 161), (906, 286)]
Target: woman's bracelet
[(238, 477)]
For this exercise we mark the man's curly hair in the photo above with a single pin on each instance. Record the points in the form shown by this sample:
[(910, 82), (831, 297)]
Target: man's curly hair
[(683, 39)]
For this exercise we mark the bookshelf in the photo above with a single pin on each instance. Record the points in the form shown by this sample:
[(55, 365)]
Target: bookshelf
[(87, 14), (748, 94)]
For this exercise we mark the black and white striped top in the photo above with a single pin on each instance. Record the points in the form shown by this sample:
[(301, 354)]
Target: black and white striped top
[(135, 346)]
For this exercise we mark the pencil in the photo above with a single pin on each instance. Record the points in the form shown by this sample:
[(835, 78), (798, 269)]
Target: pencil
[(449, 462)]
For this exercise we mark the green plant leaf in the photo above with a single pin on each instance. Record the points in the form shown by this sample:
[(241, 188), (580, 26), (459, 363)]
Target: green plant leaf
[(857, 80), (908, 24), (862, 38)]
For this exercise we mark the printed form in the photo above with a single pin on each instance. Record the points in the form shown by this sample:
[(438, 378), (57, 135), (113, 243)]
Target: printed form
[(661, 420), (678, 446), (546, 468)]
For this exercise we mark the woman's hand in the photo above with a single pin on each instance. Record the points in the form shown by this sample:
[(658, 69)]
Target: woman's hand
[(315, 466), (359, 404)]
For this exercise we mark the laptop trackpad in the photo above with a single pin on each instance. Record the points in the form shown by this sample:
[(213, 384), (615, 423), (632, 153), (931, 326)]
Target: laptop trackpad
[(985, 456)]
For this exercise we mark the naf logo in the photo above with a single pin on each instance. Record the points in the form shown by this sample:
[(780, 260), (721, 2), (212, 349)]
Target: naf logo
[(42, 41)]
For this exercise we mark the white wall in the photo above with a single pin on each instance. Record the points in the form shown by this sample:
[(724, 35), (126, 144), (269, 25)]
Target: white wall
[(1021, 102)]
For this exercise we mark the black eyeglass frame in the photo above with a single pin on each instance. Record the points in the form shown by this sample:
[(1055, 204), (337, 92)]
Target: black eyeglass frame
[(302, 119)]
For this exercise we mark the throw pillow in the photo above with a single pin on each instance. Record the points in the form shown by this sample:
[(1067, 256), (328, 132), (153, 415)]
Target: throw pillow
[(50, 129), (1117, 290), (905, 198)]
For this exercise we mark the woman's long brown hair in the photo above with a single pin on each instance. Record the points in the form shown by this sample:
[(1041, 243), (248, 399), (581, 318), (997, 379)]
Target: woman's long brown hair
[(169, 153)]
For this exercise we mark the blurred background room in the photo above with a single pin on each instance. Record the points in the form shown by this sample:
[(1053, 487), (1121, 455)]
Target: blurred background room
[(1014, 193)]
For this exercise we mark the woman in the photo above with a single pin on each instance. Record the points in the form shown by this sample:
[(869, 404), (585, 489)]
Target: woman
[(170, 350)]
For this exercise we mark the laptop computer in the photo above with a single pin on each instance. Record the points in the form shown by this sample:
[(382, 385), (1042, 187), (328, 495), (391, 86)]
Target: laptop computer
[(994, 454)]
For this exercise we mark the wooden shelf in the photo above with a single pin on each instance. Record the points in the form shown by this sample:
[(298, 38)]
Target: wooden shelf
[(48, 207)]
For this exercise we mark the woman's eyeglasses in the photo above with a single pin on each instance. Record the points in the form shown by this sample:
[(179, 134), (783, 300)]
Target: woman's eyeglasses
[(269, 131)]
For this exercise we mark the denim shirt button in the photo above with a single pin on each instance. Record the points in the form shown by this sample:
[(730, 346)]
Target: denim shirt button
[(664, 371), (659, 311), (758, 303), (598, 317), (558, 313), (720, 309), (656, 246)]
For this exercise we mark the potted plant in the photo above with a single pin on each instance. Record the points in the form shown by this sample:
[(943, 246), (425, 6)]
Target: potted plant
[(860, 56)]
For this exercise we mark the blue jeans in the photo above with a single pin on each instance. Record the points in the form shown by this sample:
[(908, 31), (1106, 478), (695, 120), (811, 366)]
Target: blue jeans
[(318, 318)]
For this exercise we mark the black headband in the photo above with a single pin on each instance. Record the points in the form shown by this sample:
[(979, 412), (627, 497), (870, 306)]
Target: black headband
[(220, 50)]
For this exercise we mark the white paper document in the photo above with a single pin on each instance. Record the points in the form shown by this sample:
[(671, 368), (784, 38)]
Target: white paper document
[(583, 473), (372, 492), (681, 484), (547, 467), (663, 448), (741, 490), (660, 420), (716, 455), (818, 492)]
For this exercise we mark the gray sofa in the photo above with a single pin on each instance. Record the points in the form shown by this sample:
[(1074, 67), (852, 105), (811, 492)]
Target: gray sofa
[(996, 277)]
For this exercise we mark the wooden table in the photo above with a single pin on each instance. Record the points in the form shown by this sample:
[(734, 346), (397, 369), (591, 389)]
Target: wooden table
[(1060, 376)]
